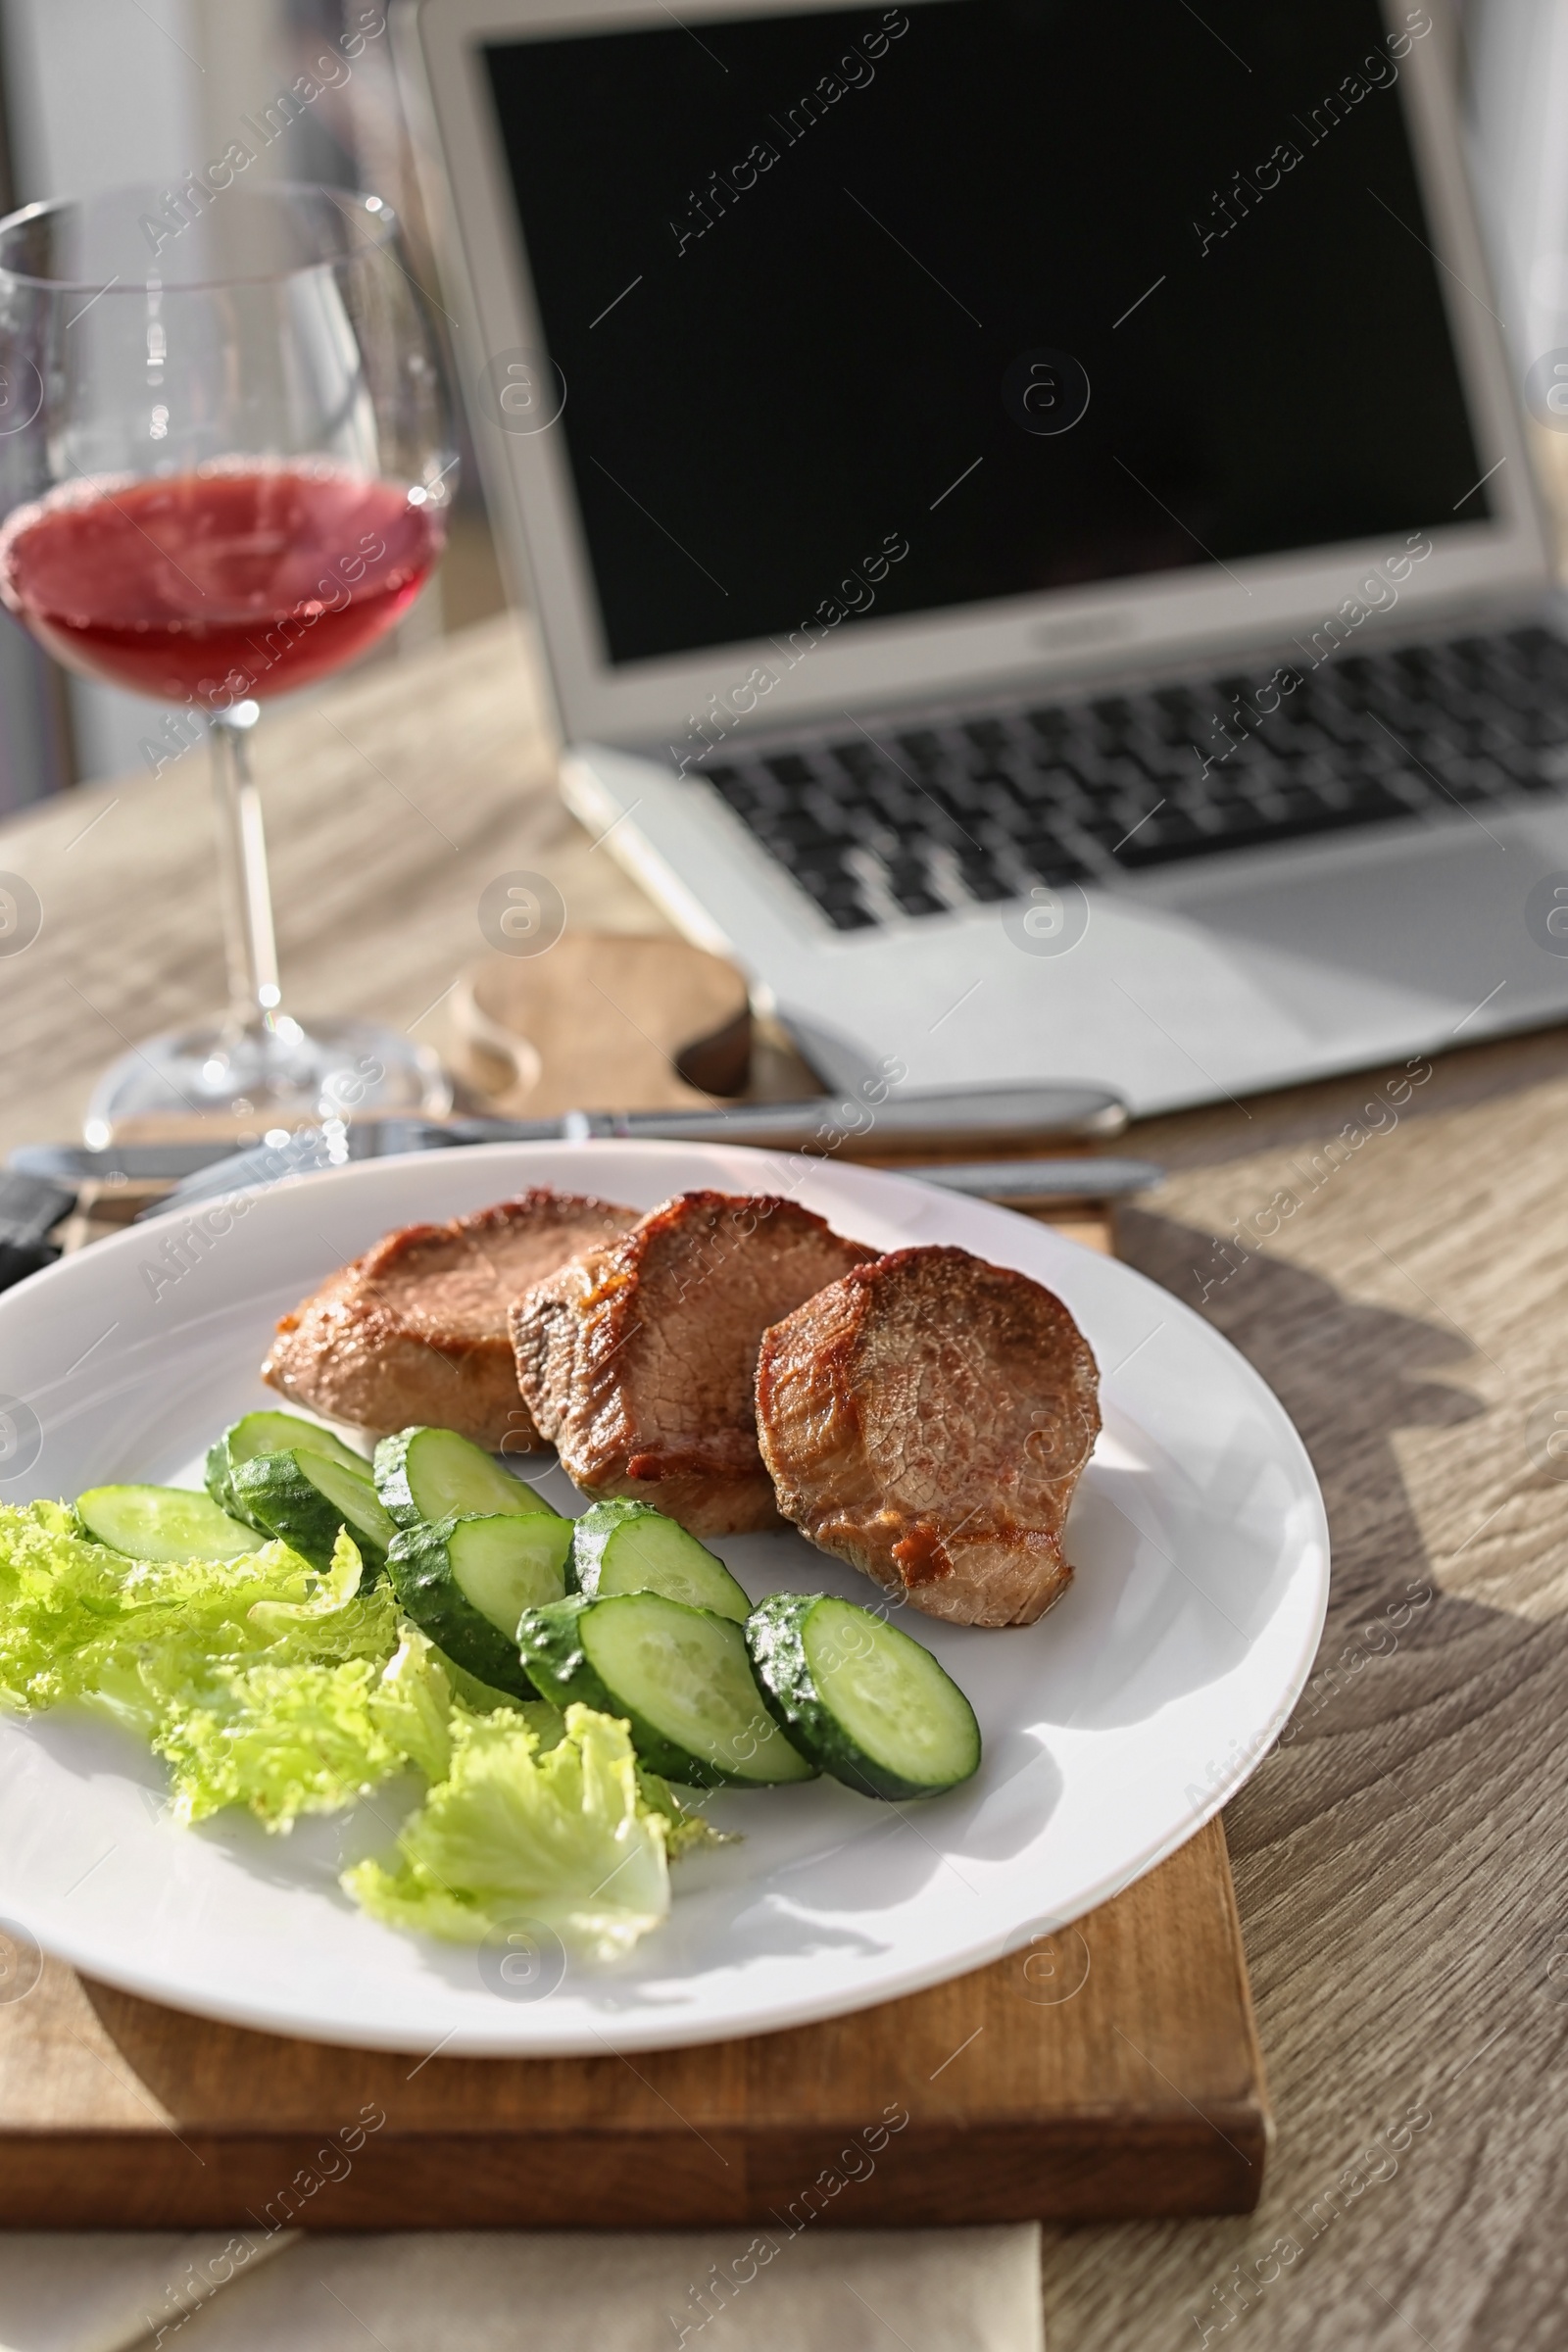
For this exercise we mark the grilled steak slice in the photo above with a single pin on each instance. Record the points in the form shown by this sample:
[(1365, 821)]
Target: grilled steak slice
[(639, 1358), (416, 1330), (926, 1420)]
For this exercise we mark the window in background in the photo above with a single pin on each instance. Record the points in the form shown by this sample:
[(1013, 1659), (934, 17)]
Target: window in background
[(35, 746), (98, 94), (1518, 77)]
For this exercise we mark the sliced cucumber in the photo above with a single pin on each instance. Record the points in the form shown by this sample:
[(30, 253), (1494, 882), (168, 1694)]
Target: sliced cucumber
[(423, 1476), (163, 1523), (624, 1546), (679, 1676), (467, 1581), (861, 1699), (271, 1432), (304, 1498)]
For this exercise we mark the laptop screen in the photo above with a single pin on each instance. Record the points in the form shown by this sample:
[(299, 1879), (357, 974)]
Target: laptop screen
[(974, 299)]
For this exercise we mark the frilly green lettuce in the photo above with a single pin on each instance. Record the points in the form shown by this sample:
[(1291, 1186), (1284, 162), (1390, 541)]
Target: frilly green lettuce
[(263, 1682), (684, 1827), (287, 1737), (556, 1832)]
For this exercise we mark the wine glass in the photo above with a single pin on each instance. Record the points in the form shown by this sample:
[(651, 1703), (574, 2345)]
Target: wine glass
[(225, 463)]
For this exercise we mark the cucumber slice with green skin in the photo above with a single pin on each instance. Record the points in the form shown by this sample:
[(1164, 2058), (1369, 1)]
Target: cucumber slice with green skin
[(271, 1432), (624, 1546), (863, 1700), (163, 1523), (467, 1581), (679, 1676), (423, 1476), (304, 1498)]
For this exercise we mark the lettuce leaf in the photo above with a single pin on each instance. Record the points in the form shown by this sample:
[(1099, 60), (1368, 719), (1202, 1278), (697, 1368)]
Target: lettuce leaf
[(57, 1594), (286, 1737), (265, 1684), (282, 1740), (559, 1834), (70, 1608), (685, 1827), (261, 1681)]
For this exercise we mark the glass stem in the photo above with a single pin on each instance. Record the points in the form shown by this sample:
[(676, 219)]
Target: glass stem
[(254, 995)]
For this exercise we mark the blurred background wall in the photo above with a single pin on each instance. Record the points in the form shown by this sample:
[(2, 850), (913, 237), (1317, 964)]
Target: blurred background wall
[(96, 93), (1516, 70)]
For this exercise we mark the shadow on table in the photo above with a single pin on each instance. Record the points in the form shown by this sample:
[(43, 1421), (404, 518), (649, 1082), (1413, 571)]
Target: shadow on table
[(1351, 1377), (1348, 1374)]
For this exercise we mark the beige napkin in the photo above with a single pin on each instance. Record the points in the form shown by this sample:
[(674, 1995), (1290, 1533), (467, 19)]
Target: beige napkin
[(64, 2290), (930, 2290)]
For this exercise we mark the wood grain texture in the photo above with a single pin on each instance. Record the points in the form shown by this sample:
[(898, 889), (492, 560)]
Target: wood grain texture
[(391, 801), (1112, 2069), (1399, 1859), (598, 1021), (1109, 2070)]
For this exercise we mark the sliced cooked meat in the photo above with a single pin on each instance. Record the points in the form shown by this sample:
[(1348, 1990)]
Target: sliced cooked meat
[(927, 1419), (639, 1358), (416, 1330)]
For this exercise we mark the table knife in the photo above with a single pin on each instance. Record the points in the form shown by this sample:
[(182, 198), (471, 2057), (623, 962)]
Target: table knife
[(848, 1126)]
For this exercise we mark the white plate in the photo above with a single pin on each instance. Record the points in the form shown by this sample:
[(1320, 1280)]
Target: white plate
[(1112, 1729)]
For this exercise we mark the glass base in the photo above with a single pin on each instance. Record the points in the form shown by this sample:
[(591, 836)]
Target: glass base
[(219, 1078)]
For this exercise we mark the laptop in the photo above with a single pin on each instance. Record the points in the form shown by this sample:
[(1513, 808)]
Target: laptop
[(1028, 518)]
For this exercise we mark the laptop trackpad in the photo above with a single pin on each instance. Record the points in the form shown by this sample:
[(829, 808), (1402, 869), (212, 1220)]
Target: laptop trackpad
[(1432, 922)]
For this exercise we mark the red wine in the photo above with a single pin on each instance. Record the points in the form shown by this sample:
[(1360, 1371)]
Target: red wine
[(212, 587)]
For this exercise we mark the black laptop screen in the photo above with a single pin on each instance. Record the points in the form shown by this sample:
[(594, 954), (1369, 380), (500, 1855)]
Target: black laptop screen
[(971, 298)]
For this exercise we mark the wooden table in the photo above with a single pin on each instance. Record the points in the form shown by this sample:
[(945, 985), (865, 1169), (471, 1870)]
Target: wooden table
[(1399, 1857)]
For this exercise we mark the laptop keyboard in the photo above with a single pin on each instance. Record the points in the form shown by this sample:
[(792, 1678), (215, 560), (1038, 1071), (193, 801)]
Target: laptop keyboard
[(902, 821)]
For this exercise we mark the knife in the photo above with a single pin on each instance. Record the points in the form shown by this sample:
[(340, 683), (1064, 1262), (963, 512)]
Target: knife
[(928, 1120), (925, 1120), (1091, 1178)]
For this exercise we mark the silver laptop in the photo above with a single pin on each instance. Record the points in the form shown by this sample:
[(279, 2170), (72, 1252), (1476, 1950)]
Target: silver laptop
[(1029, 523)]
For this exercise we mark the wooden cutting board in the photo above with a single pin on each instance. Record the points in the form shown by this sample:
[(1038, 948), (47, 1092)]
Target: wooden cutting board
[(645, 1024), (1108, 2072)]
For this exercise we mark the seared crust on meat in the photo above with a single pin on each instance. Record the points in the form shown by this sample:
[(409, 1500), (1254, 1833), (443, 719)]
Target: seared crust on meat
[(639, 1357), (416, 1330), (927, 1419)]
